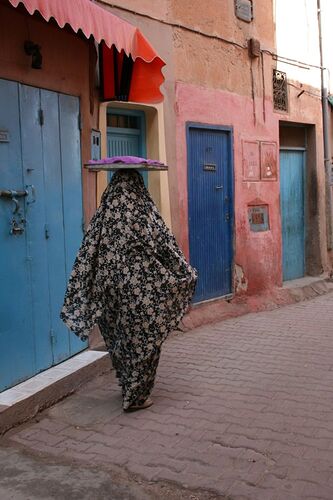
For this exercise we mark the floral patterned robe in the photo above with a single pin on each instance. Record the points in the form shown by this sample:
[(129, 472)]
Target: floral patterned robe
[(130, 278)]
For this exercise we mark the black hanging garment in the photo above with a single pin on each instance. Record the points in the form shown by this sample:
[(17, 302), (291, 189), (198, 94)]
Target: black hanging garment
[(130, 278)]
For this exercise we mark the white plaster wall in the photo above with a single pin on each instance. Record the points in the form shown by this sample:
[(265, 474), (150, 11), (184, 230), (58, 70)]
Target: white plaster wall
[(297, 37)]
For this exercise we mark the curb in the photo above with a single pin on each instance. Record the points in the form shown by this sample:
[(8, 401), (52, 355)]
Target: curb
[(24, 409), (222, 309)]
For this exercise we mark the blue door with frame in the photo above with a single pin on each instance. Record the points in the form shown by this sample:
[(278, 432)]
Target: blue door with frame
[(292, 213), (210, 208), (126, 134), (40, 227)]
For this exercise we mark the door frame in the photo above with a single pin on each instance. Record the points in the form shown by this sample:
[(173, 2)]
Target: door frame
[(305, 202), (230, 131)]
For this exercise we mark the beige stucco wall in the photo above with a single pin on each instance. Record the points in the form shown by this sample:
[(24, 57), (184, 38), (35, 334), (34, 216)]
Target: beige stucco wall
[(210, 61)]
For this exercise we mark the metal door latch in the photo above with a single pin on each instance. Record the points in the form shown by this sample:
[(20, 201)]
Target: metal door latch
[(17, 230), (11, 194)]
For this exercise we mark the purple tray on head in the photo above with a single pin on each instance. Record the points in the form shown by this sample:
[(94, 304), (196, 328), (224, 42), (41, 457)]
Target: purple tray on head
[(125, 162)]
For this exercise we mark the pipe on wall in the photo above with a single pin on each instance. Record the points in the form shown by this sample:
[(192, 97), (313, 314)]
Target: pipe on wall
[(326, 136)]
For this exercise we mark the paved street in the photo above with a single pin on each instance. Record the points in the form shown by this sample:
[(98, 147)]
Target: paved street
[(243, 410)]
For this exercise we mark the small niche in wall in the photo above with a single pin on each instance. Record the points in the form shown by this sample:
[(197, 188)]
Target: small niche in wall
[(258, 218)]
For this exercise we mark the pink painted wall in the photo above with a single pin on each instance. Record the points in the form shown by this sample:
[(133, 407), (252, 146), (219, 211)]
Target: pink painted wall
[(259, 254)]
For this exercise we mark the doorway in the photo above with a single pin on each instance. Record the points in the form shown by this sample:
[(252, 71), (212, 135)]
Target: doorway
[(210, 208), (292, 189), (126, 135), (40, 227)]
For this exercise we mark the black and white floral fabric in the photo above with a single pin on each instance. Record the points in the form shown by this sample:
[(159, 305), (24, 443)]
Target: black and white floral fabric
[(130, 278)]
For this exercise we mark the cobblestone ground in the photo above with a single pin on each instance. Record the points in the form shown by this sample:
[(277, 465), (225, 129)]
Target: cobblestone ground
[(243, 409)]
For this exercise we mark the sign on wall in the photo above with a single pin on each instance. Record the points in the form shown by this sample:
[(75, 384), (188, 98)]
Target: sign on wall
[(251, 161), (268, 161), (244, 10), (259, 161)]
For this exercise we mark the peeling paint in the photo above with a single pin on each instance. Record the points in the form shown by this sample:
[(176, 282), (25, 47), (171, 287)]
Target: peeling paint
[(240, 280)]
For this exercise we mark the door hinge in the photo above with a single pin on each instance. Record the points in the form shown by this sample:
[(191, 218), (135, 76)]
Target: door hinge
[(53, 337), (80, 121), (41, 117)]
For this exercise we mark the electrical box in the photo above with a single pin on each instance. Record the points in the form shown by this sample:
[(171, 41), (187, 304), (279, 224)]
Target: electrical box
[(95, 145), (258, 218), (254, 47)]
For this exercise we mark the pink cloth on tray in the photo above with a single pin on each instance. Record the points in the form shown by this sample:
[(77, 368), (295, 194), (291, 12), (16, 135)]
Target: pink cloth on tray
[(126, 159)]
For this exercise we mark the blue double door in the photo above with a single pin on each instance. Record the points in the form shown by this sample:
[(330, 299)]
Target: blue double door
[(210, 206), (292, 213), (40, 226)]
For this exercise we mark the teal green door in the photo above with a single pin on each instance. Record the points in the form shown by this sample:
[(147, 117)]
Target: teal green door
[(126, 134), (40, 228), (292, 213)]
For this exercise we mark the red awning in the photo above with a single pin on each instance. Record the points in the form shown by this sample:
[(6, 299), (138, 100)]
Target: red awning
[(93, 20)]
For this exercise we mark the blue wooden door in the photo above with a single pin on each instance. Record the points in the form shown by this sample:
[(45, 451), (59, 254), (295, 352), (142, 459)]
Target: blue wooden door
[(292, 213), (40, 155), (126, 135), (210, 203)]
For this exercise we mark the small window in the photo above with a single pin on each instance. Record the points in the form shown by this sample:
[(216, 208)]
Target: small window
[(280, 90), (244, 10), (122, 121)]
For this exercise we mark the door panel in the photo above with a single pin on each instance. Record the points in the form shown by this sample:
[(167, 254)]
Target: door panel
[(43, 157), (210, 210), (69, 109), (292, 213), (32, 154), (123, 144), (17, 358), (54, 236)]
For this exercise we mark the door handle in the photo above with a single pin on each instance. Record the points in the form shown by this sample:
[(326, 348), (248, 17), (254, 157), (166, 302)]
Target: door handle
[(218, 187)]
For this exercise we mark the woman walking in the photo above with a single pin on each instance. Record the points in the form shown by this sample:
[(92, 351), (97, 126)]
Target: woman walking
[(130, 278)]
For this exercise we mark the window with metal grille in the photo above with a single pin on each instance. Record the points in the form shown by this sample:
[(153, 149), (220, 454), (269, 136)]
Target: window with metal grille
[(280, 90)]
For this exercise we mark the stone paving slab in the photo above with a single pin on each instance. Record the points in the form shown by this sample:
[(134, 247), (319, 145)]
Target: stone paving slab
[(243, 409)]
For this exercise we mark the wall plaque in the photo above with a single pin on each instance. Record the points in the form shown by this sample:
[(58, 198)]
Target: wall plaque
[(4, 136), (244, 10), (210, 167), (251, 161), (268, 161)]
